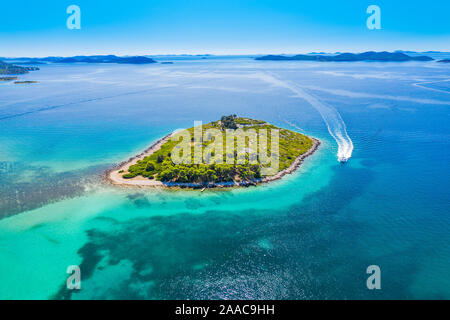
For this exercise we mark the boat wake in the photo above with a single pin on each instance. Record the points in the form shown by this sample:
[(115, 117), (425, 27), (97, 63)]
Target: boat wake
[(291, 124), (423, 85), (333, 120)]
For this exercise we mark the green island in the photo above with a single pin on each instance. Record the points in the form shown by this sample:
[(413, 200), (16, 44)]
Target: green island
[(8, 78), (25, 82), (7, 68), (156, 163)]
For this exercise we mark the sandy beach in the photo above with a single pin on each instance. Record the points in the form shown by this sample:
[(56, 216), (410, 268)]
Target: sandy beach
[(116, 178)]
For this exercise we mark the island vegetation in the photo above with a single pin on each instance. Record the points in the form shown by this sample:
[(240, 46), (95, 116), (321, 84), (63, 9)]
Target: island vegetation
[(158, 165), (8, 78), (7, 68), (26, 82)]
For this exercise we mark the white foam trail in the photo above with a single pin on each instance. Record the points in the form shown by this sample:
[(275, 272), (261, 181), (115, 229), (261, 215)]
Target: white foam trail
[(351, 94), (291, 124), (421, 85), (333, 120)]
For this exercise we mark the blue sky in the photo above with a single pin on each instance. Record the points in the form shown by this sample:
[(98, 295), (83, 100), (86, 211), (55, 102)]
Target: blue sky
[(38, 28)]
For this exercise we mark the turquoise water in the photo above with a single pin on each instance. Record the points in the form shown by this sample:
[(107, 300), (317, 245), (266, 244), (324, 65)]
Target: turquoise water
[(309, 236)]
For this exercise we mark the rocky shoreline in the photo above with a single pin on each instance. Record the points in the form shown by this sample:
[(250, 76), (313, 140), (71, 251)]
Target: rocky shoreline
[(297, 162)]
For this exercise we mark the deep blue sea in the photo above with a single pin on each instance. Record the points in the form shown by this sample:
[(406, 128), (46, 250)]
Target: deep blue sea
[(311, 235)]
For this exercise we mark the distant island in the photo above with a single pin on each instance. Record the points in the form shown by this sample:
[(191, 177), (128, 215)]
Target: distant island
[(8, 78), (29, 63), (26, 82), (88, 59), (7, 68), (154, 167), (366, 56)]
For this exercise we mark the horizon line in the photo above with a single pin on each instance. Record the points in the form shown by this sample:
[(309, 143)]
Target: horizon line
[(220, 54)]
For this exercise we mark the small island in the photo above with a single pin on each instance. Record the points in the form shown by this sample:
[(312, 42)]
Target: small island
[(26, 82), (8, 78), (155, 166)]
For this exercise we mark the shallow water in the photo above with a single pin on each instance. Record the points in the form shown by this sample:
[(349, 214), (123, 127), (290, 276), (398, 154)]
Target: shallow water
[(309, 236)]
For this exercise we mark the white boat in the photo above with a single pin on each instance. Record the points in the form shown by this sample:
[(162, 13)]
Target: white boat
[(342, 159)]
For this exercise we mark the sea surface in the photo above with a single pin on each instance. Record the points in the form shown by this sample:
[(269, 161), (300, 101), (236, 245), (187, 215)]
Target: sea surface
[(311, 235)]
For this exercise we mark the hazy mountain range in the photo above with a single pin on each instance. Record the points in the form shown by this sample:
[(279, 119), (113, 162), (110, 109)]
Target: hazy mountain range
[(16, 65)]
